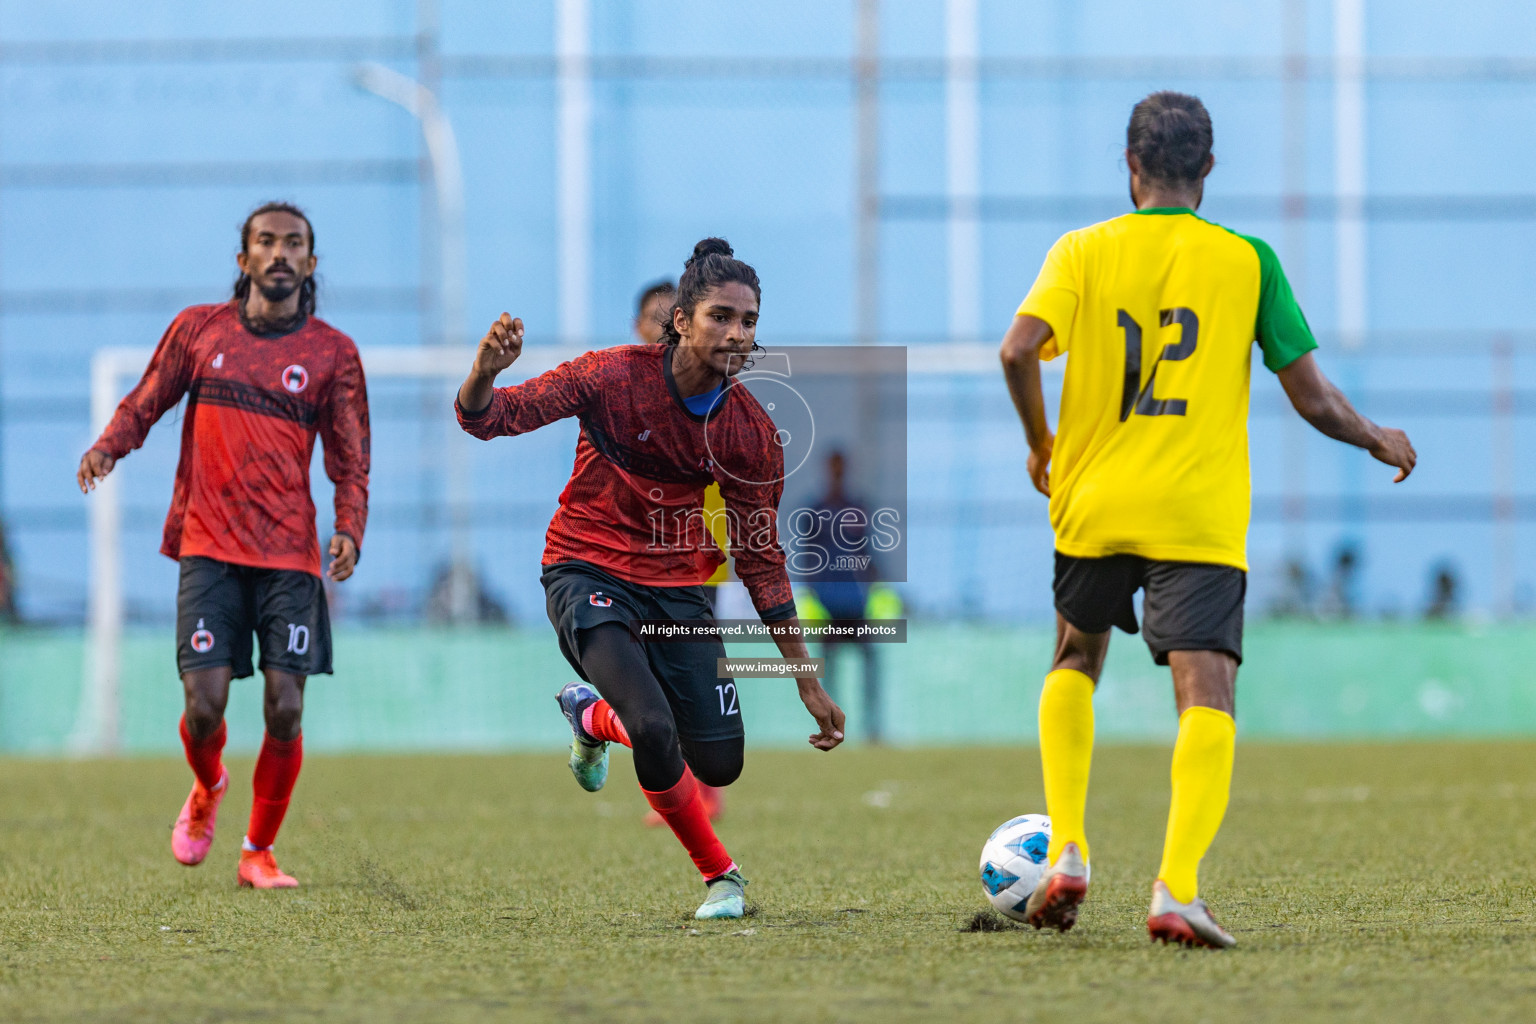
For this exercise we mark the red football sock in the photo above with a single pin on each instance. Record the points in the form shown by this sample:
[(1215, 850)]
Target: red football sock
[(600, 721), (682, 809), (206, 756), (713, 799), (277, 769)]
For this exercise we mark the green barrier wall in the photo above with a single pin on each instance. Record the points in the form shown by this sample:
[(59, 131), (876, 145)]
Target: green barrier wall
[(487, 689)]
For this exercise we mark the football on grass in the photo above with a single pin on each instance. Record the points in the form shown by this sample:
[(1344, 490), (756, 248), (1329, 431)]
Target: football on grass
[(1013, 862)]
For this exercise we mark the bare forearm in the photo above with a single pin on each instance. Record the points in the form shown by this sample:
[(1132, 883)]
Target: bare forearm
[(476, 392), (1331, 413), (1324, 406), (1024, 386), (1021, 369), (790, 641)]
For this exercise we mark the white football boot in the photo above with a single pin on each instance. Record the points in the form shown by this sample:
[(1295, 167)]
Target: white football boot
[(1055, 900), (1188, 924)]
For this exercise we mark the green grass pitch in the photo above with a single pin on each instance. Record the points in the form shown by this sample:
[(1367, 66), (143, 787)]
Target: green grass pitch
[(1369, 882)]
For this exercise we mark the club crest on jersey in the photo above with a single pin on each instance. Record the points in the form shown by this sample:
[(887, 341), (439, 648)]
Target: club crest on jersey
[(597, 600), (295, 378), (202, 640), (218, 361)]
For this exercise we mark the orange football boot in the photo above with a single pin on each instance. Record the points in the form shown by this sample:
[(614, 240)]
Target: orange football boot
[(259, 870)]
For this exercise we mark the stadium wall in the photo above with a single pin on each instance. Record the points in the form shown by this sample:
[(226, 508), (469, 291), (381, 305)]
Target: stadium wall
[(491, 689)]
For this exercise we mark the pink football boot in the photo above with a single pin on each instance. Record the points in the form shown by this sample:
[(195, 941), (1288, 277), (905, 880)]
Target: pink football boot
[(193, 834)]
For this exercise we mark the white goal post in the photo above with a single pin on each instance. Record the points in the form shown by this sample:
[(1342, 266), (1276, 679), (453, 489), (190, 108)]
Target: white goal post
[(96, 729)]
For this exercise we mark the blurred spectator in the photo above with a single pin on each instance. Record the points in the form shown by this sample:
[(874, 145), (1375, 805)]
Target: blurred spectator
[(439, 610), (1444, 593), (389, 604), (1294, 599), (7, 580), (1341, 600), (842, 587)]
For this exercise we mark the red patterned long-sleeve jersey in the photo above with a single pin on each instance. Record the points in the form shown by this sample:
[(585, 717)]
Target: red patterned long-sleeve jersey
[(634, 503), (256, 403)]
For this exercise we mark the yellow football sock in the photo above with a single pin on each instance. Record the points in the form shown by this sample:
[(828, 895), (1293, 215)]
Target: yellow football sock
[(1066, 752), (1202, 780)]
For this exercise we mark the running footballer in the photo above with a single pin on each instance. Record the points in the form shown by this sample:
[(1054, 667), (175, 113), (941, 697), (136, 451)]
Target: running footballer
[(659, 425), (263, 377), (653, 310), (1158, 311)]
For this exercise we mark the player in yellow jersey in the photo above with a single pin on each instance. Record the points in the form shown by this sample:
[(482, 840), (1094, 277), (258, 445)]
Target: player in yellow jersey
[(1158, 311)]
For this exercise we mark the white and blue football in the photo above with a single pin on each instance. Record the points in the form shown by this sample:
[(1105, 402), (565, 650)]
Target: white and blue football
[(1013, 862)]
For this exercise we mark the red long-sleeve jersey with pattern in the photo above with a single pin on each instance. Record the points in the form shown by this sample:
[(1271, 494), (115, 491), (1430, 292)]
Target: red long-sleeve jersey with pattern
[(256, 403), (634, 505)]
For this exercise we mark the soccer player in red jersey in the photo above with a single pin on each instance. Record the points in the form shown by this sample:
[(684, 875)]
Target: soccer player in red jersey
[(652, 312), (659, 424), (263, 376)]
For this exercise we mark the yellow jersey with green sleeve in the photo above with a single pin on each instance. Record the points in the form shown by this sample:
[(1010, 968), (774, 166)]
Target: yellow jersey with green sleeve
[(1159, 310)]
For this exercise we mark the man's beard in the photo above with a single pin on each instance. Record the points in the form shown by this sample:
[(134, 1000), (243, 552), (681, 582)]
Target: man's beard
[(277, 291)]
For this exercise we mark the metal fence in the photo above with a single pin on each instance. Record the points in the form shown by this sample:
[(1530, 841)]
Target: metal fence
[(907, 166)]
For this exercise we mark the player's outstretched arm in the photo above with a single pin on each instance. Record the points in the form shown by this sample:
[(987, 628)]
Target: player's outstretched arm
[(499, 349), (1324, 406), (1021, 367), (829, 717)]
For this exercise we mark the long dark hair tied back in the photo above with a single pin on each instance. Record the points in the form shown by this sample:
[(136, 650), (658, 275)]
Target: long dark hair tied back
[(712, 264), (1170, 134), (308, 288)]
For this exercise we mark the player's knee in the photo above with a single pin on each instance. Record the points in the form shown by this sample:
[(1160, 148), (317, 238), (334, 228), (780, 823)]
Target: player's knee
[(718, 773), (651, 732), (1081, 652), (284, 713), (203, 716), (715, 764)]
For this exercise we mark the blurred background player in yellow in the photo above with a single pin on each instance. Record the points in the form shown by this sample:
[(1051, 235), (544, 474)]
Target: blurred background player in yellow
[(653, 311), (1149, 482)]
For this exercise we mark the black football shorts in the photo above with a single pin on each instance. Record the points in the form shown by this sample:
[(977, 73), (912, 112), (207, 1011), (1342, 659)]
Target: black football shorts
[(579, 596), (220, 606), (1186, 606)]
